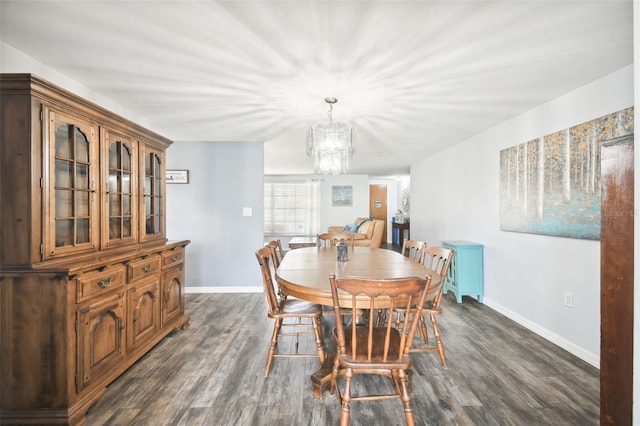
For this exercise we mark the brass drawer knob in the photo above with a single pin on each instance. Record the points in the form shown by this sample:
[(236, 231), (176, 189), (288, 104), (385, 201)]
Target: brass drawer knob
[(105, 282), (147, 267), (175, 257)]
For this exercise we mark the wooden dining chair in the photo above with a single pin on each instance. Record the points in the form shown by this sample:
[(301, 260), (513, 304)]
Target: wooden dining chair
[(323, 240), (413, 249), (370, 347), (278, 252), (280, 249), (302, 318), (327, 240), (439, 260), (347, 237)]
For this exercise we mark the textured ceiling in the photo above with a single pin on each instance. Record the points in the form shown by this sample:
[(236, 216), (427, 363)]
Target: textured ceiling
[(413, 77)]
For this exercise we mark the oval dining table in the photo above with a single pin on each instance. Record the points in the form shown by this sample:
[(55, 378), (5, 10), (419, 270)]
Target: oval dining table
[(304, 274)]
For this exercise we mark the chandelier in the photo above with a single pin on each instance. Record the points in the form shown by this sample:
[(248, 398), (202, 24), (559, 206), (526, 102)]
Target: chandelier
[(330, 145)]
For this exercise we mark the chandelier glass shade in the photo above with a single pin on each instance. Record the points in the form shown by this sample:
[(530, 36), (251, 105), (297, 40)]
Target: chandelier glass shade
[(330, 145)]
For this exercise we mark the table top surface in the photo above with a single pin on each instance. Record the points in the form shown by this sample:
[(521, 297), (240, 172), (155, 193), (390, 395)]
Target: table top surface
[(304, 273)]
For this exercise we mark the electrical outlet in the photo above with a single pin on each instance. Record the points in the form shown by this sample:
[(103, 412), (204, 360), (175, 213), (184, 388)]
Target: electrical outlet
[(568, 299)]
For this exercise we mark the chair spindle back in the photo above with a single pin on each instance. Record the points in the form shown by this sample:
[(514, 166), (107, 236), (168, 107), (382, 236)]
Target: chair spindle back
[(439, 260), (265, 259), (378, 341)]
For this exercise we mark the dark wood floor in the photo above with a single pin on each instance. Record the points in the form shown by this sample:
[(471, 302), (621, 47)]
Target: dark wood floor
[(212, 374)]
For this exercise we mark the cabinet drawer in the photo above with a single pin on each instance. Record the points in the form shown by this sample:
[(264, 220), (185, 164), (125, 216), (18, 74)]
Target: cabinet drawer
[(172, 257), (144, 267), (94, 283)]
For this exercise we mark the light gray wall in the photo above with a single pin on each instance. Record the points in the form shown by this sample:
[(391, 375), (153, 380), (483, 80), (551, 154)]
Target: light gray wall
[(224, 178), (525, 274)]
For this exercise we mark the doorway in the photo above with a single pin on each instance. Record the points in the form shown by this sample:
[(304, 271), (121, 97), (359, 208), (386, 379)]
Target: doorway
[(378, 206)]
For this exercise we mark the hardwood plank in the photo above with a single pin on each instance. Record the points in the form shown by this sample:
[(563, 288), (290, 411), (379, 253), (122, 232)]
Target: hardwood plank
[(213, 373)]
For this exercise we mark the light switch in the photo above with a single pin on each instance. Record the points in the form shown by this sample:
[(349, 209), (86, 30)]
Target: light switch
[(246, 211)]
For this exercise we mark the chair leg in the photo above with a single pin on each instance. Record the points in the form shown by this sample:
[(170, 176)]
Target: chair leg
[(345, 412), (274, 342), (396, 382), (334, 377), (406, 399), (317, 329), (439, 344)]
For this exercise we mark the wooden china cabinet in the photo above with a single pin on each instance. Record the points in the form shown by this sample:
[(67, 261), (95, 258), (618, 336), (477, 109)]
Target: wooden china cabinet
[(88, 281)]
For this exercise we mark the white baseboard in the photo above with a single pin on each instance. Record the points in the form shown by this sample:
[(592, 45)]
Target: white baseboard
[(591, 358), (254, 289)]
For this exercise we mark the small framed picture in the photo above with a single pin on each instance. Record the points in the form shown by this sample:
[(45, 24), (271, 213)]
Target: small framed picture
[(177, 176), (342, 196)]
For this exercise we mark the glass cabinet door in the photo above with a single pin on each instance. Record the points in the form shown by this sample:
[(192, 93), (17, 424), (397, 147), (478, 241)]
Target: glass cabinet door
[(72, 216), (121, 183), (152, 207)]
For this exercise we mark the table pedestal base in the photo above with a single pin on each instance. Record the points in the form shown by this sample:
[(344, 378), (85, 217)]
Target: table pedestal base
[(321, 379)]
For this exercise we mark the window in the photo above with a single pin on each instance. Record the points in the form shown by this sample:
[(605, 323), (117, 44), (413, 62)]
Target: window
[(291, 208)]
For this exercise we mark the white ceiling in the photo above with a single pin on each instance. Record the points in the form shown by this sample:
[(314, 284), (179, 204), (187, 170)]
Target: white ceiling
[(413, 77)]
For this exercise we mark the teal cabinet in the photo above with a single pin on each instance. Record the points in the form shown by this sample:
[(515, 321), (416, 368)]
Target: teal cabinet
[(466, 272)]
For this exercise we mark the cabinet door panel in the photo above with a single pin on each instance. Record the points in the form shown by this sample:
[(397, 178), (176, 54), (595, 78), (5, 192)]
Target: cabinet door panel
[(100, 338), (71, 209), (172, 293), (144, 312), (152, 209), (120, 190), (466, 272)]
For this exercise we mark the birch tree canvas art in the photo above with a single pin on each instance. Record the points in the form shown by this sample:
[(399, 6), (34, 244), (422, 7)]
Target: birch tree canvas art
[(551, 185)]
